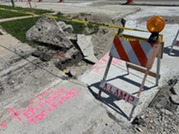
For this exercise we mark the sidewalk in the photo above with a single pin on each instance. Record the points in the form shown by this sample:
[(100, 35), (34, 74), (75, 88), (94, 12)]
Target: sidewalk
[(153, 3), (66, 108), (16, 18), (71, 8)]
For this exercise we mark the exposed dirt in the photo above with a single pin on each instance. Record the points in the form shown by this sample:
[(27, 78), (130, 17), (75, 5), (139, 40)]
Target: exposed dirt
[(101, 42), (161, 116)]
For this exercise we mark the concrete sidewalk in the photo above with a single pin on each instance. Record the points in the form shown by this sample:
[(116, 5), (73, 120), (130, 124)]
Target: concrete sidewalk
[(66, 108), (152, 3), (17, 18), (70, 8), (105, 2)]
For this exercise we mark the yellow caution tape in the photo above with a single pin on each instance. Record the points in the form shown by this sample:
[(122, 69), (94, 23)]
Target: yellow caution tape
[(78, 21), (89, 23), (160, 40), (100, 24), (1, 8)]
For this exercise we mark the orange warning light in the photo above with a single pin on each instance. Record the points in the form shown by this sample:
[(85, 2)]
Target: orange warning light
[(155, 24)]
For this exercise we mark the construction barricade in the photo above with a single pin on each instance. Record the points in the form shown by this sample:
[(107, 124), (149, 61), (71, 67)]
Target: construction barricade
[(138, 54), (175, 42)]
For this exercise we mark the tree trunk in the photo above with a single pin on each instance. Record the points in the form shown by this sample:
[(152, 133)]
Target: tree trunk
[(13, 4)]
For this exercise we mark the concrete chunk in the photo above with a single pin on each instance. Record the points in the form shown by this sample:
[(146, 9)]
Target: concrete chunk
[(86, 46), (65, 27), (46, 30)]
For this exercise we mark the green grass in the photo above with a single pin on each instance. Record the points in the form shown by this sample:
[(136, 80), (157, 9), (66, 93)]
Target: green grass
[(9, 14), (18, 28)]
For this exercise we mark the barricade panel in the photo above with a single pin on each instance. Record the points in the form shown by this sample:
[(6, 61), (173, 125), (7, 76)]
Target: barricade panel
[(136, 52)]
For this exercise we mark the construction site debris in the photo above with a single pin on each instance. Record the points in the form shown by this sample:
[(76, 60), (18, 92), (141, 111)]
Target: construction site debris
[(65, 27), (161, 112), (86, 46), (46, 30), (71, 57)]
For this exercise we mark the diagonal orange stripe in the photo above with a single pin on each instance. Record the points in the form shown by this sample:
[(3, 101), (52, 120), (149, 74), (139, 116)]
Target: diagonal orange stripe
[(139, 53), (120, 49)]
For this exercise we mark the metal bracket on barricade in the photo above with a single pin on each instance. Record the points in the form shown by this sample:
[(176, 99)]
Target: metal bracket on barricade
[(139, 55), (175, 42)]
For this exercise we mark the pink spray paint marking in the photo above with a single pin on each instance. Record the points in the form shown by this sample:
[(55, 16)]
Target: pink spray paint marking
[(102, 63), (60, 55), (41, 106), (4, 124), (14, 113)]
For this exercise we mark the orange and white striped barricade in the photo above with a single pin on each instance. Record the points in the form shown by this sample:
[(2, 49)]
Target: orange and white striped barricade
[(175, 42), (139, 55)]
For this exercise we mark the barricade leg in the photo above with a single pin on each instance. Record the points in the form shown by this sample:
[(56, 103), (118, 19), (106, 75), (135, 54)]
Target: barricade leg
[(127, 68), (158, 66), (174, 41), (105, 73), (143, 82), (132, 111)]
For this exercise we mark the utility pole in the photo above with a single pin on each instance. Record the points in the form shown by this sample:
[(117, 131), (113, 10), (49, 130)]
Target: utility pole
[(13, 4)]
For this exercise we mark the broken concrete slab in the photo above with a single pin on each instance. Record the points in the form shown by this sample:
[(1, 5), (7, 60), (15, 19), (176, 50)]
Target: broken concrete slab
[(86, 46), (62, 60), (65, 27), (46, 30)]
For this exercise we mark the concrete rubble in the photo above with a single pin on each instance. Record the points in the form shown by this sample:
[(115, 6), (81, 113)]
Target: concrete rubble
[(161, 112), (86, 46), (46, 30), (58, 39), (65, 27)]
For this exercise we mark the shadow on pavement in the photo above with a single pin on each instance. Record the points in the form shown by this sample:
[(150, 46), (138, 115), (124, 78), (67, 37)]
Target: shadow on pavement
[(109, 101), (175, 53)]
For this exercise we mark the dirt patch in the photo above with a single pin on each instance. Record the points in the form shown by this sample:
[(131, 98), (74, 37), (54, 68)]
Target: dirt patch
[(161, 115), (101, 40)]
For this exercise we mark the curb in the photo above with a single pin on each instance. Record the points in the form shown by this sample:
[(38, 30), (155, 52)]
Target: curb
[(148, 4)]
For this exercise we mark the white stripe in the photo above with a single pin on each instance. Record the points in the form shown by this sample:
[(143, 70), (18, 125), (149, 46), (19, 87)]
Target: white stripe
[(114, 52), (130, 52), (147, 48)]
